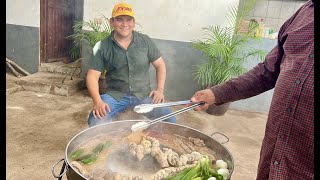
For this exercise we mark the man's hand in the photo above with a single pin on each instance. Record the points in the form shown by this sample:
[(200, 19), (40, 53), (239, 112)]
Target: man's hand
[(99, 109), (203, 95), (157, 96)]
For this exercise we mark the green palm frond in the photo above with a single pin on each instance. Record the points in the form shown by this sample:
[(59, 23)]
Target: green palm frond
[(225, 49), (96, 31), (258, 53), (237, 13), (232, 18), (217, 42), (105, 24), (211, 73)]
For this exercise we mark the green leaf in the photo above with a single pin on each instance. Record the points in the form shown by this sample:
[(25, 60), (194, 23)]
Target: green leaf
[(94, 33), (180, 175), (192, 173), (225, 50), (200, 171), (197, 178)]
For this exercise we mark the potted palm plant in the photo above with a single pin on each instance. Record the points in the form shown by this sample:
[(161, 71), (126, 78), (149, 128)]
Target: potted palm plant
[(96, 30), (226, 51)]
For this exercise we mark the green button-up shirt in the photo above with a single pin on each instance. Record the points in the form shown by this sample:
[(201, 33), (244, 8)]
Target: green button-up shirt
[(127, 70)]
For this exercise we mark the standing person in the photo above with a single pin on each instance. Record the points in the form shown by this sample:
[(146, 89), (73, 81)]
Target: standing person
[(287, 150), (126, 55)]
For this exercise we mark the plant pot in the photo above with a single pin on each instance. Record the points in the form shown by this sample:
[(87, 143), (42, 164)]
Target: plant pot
[(218, 110), (102, 85)]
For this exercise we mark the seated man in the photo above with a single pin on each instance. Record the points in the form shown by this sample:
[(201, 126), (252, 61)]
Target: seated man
[(126, 55)]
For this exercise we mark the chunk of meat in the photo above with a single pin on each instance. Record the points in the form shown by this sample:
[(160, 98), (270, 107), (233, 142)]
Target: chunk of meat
[(180, 143), (98, 174), (165, 158), (132, 149), (146, 145), (136, 150), (184, 159), (79, 168), (159, 156), (139, 152), (172, 157), (194, 157), (154, 141), (197, 142), (169, 171)]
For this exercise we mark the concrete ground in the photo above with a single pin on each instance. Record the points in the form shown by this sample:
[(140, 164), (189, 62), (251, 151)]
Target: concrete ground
[(39, 126)]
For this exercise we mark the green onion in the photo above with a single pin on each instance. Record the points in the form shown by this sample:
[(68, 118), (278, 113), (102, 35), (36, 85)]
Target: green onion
[(180, 175), (201, 171)]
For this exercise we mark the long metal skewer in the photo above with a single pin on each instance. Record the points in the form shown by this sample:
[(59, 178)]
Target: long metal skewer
[(144, 126), (144, 108)]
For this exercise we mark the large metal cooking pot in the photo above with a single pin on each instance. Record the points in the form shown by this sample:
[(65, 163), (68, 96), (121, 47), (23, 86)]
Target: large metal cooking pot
[(123, 128)]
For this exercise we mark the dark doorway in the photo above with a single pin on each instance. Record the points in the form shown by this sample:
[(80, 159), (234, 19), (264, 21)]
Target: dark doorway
[(56, 20)]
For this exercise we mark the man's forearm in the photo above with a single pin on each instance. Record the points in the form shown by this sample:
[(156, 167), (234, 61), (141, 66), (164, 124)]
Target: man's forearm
[(254, 82), (93, 88), (261, 78), (161, 77), (160, 67)]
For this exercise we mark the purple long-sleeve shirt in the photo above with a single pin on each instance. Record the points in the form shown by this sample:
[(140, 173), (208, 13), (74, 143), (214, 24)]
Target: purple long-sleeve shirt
[(287, 150)]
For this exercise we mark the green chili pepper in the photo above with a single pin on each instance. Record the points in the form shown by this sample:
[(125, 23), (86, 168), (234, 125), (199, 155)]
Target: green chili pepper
[(76, 154), (98, 148), (83, 157), (89, 158)]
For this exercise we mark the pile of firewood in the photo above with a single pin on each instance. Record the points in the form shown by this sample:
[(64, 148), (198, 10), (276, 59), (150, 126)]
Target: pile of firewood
[(16, 69)]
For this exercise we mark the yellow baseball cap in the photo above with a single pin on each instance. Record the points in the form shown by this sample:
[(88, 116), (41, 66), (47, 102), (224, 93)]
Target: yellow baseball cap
[(122, 9)]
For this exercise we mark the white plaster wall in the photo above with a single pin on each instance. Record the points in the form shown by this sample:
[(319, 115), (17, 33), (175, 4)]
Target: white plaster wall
[(179, 20), (23, 12)]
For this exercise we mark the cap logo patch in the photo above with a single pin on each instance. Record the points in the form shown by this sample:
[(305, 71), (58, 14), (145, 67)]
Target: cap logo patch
[(123, 8)]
